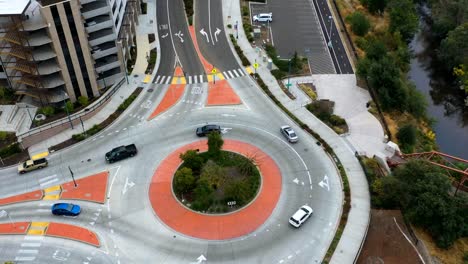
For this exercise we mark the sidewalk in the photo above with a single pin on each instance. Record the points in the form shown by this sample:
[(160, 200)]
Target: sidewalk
[(134, 80), (358, 220)]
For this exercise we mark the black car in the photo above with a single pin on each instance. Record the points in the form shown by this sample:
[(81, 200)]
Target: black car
[(121, 153), (204, 130)]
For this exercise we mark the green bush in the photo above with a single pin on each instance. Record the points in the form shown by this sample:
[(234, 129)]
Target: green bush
[(337, 120), (240, 53), (278, 74), (245, 11), (3, 135), (188, 7), (203, 195), (79, 137), (192, 160), (47, 111), (127, 102), (406, 135), (360, 25), (93, 130), (83, 100), (69, 106), (10, 150), (183, 180)]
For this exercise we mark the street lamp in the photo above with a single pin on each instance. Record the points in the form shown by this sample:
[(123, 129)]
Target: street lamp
[(237, 29), (289, 73), (66, 109), (330, 45), (73, 178)]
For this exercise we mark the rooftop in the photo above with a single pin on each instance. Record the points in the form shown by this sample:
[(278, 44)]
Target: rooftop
[(16, 7)]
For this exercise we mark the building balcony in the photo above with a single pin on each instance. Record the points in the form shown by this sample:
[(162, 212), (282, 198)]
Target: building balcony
[(94, 9), (101, 36), (52, 81), (38, 39), (86, 1), (107, 63), (99, 23), (48, 67), (44, 53), (98, 53)]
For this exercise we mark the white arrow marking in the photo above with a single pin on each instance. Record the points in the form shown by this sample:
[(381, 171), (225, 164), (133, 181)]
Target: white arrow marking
[(224, 130), (203, 32), (324, 183), (201, 258), (165, 35), (296, 181), (180, 35), (227, 115), (127, 184), (217, 33)]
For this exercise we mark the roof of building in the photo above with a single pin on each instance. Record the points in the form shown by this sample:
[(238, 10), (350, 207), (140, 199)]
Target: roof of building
[(16, 7)]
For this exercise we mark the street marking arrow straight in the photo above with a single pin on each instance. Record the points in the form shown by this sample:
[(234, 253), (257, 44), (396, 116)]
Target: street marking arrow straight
[(203, 32)]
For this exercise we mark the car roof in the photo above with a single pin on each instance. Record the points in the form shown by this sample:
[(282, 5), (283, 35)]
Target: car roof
[(60, 205), (300, 213), (265, 14)]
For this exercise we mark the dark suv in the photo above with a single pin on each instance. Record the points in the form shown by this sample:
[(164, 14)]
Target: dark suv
[(204, 130)]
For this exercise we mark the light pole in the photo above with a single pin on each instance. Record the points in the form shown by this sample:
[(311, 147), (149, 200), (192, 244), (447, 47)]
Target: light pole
[(330, 45), (237, 29), (289, 73), (123, 58), (73, 178), (66, 110)]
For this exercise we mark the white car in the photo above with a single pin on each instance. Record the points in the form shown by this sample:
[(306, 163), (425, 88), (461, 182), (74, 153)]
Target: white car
[(289, 133), (300, 216), (263, 17)]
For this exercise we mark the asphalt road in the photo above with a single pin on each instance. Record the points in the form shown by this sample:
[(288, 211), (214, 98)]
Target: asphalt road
[(129, 230)]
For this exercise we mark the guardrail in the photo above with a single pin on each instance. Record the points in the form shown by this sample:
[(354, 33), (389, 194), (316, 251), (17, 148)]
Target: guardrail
[(35, 135)]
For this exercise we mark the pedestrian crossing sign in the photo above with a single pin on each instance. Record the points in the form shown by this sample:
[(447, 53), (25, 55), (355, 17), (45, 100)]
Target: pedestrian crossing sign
[(214, 71), (255, 65)]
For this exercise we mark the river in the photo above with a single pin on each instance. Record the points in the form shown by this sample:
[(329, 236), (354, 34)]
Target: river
[(445, 107)]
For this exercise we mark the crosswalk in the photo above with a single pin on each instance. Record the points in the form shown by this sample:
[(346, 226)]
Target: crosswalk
[(201, 78), (48, 181), (29, 248)]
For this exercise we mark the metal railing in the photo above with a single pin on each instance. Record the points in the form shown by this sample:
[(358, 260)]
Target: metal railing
[(75, 116)]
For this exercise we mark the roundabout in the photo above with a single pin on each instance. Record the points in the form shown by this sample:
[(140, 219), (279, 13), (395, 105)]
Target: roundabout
[(215, 227)]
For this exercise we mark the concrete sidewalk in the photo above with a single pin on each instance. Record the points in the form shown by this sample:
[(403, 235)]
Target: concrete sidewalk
[(135, 79), (358, 220)]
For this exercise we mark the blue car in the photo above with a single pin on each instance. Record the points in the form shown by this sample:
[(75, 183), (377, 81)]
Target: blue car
[(66, 209)]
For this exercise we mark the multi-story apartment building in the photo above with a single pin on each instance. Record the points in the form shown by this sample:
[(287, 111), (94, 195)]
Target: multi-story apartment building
[(54, 50)]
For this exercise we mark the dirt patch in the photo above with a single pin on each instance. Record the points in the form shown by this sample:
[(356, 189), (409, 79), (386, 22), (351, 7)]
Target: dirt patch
[(385, 243)]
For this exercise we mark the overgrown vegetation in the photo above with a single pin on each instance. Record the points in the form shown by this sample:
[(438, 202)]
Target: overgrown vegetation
[(151, 61), (7, 96), (423, 193), (360, 25), (323, 110), (291, 65), (189, 10), (144, 7), (239, 51), (208, 181)]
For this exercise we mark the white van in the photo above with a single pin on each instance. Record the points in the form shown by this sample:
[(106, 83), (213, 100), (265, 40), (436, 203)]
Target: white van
[(263, 17)]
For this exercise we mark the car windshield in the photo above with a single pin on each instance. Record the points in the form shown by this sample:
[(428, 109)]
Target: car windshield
[(69, 207), (305, 210), (292, 134), (294, 220)]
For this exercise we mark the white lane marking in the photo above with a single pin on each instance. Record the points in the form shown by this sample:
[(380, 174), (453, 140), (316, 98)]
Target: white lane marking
[(170, 30), (28, 251), (48, 177), (42, 210), (33, 238), (48, 182), (230, 74), (190, 79), (157, 78), (201, 78), (162, 79), (168, 79), (235, 73), (217, 33), (203, 32), (324, 183), (25, 258), (209, 22), (30, 244), (241, 72), (112, 183)]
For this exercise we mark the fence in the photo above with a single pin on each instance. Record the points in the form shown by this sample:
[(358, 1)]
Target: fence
[(43, 132), (370, 88)]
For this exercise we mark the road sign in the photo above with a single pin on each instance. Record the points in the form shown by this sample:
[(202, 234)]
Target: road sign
[(255, 65), (214, 71)]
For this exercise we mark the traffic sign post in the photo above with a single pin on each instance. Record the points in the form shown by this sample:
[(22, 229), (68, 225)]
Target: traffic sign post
[(214, 71), (255, 68)]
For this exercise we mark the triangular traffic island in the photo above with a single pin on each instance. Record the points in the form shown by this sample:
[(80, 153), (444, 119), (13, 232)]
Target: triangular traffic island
[(221, 93), (73, 232), (92, 188), (178, 72), (25, 197), (16, 228), (172, 96)]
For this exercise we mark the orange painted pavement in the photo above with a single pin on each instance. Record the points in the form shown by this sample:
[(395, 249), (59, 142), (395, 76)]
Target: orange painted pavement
[(30, 196), (221, 93), (215, 227), (173, 94), (92, 188), (20, 228), (206, 65), (73, 232), (178, 71)]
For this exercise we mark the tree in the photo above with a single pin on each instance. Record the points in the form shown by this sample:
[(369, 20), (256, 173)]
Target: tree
[(407, 136), (192, 160), (213, 174), (453, 50), (203, 195), (416, 103), (83, 100), (69, 106), (184, 180), (215, 143), (237, 191), (403, 18), (375, 6), (360, 25)]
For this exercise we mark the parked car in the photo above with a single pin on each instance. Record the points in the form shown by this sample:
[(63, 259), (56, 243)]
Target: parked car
[(263, 17), (300, 216), (204, 130), (289, 133), (67, 209), (30, 165), (121, 153)]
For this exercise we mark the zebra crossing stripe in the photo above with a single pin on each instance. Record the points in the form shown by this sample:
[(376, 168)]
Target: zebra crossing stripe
[(225, 75), (162, 79), (242, 73), (235, 73), (190, 79), (230, 74), (168, 81), (157, 78), (201, 78)]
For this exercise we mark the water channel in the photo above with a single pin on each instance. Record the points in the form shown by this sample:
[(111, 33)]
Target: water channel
[(451, 127)]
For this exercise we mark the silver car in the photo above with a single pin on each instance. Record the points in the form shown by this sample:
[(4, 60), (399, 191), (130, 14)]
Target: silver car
[(264, 17), (289, 133)]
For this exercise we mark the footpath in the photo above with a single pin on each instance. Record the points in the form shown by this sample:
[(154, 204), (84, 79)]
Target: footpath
[(356, 227)]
